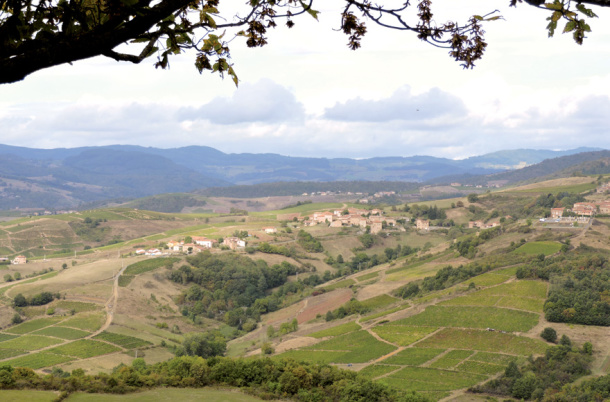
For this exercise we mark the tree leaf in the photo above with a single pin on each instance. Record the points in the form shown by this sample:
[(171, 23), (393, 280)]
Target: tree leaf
[(554, 6), (556, 16), (309, 10), (570, 26), (585, 11), (551, 27)]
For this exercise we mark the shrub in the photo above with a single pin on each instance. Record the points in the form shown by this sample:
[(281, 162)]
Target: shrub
[(17, 319), (267, 349), (549, 335)]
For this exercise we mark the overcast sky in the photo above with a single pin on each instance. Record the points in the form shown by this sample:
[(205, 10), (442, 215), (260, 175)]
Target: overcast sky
[(307, 94)]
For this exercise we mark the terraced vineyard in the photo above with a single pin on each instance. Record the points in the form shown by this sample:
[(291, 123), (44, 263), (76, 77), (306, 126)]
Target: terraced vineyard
[(463, 321), (457, 343)]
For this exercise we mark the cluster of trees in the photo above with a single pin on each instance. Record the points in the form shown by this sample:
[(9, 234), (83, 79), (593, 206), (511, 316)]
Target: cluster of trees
[(541, 378), (542, 205), (562, 199), (15, 277), (90, 230), (202, 344), (39, 299), (267, 248), (449, 276), (308, 242), (264, 378), (298, 204), (467, 246), (367, 240), (285, 328), (351, 307), (580, 284), (361, 260), (236, 289), (226, 286), (167, 203), (596, 389), (426, 212)]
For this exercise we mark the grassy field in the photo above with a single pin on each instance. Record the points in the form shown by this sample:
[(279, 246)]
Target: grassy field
[(27, 395), (77, 307), (320, 357), (413, 356), (522, 295), (141, 267), (574, 188), (39, 360), (480, 368), (539, 247), (403, 335), (413, 271), (6, 353), (125, 280), (29, 342), (6, 337), (484, 341), (33, 325), (84, 348), (376, 370), (62, 332), (336, 331), (366, 277), (452, 359), (127, 342), (473, 317), (494, 358), (341, 284), (427, 379), (89, 322), (382, 313), (379, 301), (355, 347), (490, 279), (168, 395)]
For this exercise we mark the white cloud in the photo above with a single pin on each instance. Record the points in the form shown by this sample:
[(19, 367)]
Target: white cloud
[(264, 101), (401, 105)]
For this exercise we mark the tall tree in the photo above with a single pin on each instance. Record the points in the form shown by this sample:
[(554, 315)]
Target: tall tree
[(37, 34)]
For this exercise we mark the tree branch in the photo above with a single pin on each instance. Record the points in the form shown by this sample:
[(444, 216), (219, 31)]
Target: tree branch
[(60, 49)]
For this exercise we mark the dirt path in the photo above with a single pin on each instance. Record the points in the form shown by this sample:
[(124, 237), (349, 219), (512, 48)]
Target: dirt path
[(400, 349), (110, 305)]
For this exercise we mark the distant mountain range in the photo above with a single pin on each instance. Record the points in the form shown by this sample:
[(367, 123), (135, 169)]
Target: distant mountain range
[(584, 162), (68, 177)]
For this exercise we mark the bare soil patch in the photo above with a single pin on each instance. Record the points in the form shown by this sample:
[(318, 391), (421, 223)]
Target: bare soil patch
[(283, 315), (295, 343), (323, 303), (377, 289)]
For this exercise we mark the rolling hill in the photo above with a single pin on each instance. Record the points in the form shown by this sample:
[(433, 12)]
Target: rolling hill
[(67, 178)]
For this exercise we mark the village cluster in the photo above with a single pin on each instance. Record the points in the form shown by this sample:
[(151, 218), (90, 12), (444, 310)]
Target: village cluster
[(197, 245), (351, 217)]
